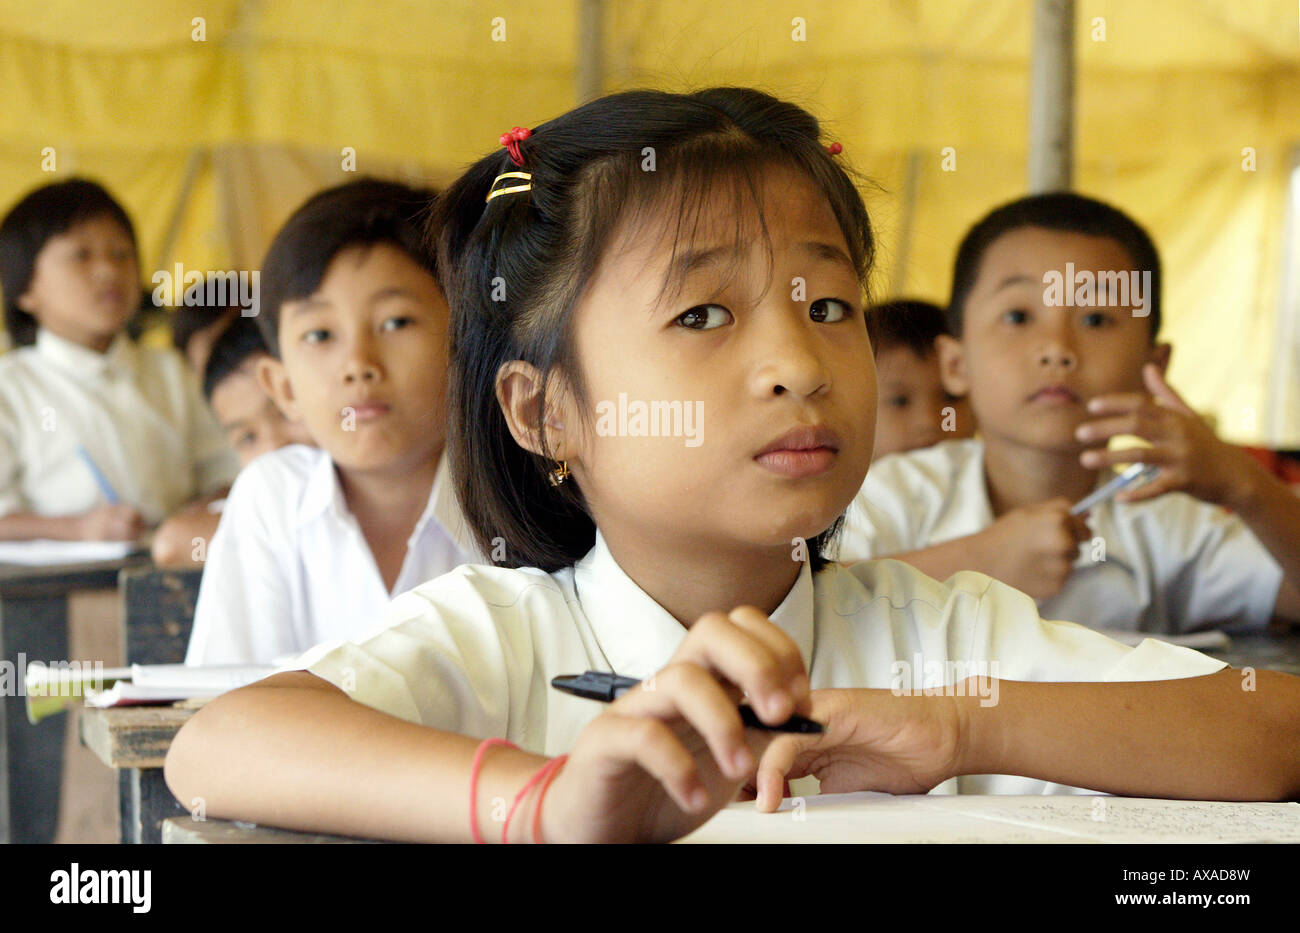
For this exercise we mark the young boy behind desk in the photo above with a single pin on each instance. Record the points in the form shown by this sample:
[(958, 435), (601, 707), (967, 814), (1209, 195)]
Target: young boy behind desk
[(314, 542), (915, 409), (1050, 382), (99, 438), (252, 423)]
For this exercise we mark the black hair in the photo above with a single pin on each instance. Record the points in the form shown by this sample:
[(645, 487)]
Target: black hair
[(47, 212), (1059, 211), (364, 212), (612, 164), (194, 313), (241, 340), (906, 322)]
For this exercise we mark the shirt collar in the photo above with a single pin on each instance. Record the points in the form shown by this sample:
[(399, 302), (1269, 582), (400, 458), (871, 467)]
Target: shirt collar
[(324, 494), (638, 636), (84, 362)]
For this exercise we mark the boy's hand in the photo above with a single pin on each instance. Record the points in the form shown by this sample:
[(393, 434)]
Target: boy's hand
[(874, 740), (1190, 457), (672, 751), (1033, 548), (111, 523)]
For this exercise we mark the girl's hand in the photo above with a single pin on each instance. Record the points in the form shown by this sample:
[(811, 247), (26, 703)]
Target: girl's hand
[(672, 751), (1190, 457), (874, 740)]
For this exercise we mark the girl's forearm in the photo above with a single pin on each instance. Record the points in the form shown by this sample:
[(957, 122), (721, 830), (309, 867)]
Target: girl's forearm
[(1199, 738), (299, 754)]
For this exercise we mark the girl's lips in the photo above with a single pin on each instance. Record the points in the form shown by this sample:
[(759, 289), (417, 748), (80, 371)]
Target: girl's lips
[(797, 463)]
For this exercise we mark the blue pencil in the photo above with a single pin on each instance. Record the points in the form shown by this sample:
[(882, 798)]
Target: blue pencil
[(100, 480)]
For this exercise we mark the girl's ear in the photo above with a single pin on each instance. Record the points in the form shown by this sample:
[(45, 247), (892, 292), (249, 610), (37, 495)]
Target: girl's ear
[(273, 379), (952, 365), (518, 388)]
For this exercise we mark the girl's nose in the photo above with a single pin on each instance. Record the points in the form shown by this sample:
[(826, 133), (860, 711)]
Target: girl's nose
[(790, 363), (1057, 356)]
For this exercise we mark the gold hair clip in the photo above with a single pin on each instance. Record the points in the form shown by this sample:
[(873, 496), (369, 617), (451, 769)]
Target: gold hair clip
[(526, 176)]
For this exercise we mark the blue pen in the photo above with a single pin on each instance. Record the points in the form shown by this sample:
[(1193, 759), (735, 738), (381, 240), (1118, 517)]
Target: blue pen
[(100, 480), (1137, 474)]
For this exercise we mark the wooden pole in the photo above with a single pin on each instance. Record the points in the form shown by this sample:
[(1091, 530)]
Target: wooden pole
[(590, 64), (1051, 97)]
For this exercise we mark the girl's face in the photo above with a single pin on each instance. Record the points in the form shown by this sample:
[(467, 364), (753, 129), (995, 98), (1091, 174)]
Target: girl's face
[(757, 380), (86, 284)]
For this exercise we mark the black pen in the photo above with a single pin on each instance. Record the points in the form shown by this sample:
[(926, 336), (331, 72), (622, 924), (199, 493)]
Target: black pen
[(608, 687)]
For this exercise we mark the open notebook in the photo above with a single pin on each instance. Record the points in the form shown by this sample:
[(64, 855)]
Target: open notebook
[(870, 817)]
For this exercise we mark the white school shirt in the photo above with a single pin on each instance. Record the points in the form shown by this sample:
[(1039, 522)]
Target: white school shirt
[(289, 566), (137, 411), (1172, 564), (473, 652)]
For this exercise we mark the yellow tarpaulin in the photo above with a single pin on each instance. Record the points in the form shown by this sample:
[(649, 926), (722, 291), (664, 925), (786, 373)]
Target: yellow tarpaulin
[(211, 120)]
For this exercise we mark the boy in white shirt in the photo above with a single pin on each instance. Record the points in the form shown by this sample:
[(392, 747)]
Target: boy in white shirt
[(1037, 369), (312, 542), (99, 437), (915, 410), (252, 423)]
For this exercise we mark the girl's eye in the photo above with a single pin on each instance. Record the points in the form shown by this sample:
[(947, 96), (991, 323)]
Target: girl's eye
[(897, 401), (247, 439), (823, 311), (704, 317), (1096, 319), (81, 254), (397, 323), (319, 335), (1016, 316)]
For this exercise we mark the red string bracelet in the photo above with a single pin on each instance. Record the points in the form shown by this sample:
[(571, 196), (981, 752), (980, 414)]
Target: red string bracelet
[(473, 783), (542, 772), (555, 767)]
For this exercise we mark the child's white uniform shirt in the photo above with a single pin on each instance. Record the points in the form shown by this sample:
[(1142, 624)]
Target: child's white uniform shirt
[(138, 412), (1171, 564), (289, 566), (474, 651)]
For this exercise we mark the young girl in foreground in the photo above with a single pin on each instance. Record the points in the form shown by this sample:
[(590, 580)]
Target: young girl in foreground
[(699, 250)]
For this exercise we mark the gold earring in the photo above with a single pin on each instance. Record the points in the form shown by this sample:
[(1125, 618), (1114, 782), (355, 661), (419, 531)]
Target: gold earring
[(559, 474)]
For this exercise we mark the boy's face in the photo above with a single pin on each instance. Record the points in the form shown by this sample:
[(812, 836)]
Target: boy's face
[(363, 361), (915, 409), (86, 283), (748, 358), (249, 417), (1030, 367)]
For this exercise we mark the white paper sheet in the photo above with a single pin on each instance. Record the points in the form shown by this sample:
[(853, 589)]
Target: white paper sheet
[(883, 818), (44, 553)]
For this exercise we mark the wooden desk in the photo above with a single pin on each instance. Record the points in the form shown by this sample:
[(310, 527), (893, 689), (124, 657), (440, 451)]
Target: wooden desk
[(1276, 652), (182, 830), (133, 740), (34, 627)]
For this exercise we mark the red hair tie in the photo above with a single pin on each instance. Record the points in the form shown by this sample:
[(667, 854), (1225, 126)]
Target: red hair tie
[(512, 140), (834, 148)]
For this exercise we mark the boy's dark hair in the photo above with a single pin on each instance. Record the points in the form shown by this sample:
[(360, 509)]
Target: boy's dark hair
[(236, 344), (906, 322), (1060, 211), (364, 212), (589, 181), (194, 313), (47, 212)]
